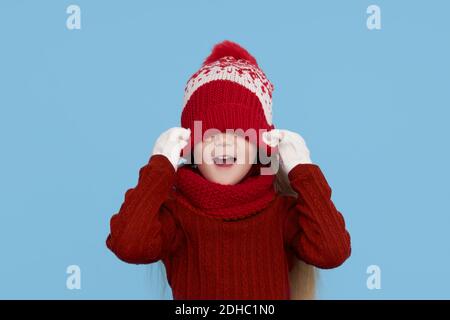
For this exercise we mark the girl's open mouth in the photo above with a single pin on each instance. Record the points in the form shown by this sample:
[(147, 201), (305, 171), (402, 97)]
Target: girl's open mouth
[(224, 161)]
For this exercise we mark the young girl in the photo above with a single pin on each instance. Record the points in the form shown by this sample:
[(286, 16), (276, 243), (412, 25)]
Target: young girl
[(228, 225)]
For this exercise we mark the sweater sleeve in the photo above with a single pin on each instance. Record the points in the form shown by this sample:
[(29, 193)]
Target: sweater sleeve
[(314, 230), (144, 231)]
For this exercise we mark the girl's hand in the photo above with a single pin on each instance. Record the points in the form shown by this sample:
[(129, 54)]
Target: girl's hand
[(171, 142), (291, 147)]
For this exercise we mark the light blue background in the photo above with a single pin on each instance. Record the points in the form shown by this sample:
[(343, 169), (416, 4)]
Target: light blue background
[(80, 111)]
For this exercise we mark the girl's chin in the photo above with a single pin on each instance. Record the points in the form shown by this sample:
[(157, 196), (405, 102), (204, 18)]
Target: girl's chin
[(225, 176)]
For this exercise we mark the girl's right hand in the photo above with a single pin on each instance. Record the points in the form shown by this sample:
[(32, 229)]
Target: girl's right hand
[(171, 142)]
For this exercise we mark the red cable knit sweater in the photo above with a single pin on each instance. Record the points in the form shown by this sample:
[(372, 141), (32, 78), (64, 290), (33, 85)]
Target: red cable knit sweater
[(212, 258)]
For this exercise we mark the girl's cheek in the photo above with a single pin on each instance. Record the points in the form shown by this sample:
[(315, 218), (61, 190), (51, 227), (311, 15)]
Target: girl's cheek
[(198, 153)]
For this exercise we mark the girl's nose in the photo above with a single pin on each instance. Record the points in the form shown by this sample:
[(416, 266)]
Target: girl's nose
[(222, 140)]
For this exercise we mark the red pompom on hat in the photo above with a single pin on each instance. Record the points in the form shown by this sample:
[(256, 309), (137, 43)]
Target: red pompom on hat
[(229, 91), (230, 49)]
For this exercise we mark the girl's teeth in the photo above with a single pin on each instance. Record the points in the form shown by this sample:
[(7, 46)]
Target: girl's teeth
[(224, 160)]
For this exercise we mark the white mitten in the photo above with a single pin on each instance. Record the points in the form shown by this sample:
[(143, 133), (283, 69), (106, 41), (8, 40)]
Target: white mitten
[(291, 148), (171, 142)]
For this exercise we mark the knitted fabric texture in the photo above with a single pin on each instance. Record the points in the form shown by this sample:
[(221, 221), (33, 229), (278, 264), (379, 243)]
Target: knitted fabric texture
[(213, 258), (229, 91), (228, 201)]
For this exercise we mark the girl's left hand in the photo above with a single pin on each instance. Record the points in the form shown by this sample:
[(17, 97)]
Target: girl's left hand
[(291, 147)]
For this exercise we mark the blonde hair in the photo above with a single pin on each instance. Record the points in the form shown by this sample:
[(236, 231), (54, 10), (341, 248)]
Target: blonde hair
[(302, 276)]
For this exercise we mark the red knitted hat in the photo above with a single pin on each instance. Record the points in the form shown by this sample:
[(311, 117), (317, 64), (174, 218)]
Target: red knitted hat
[(229, 91)]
